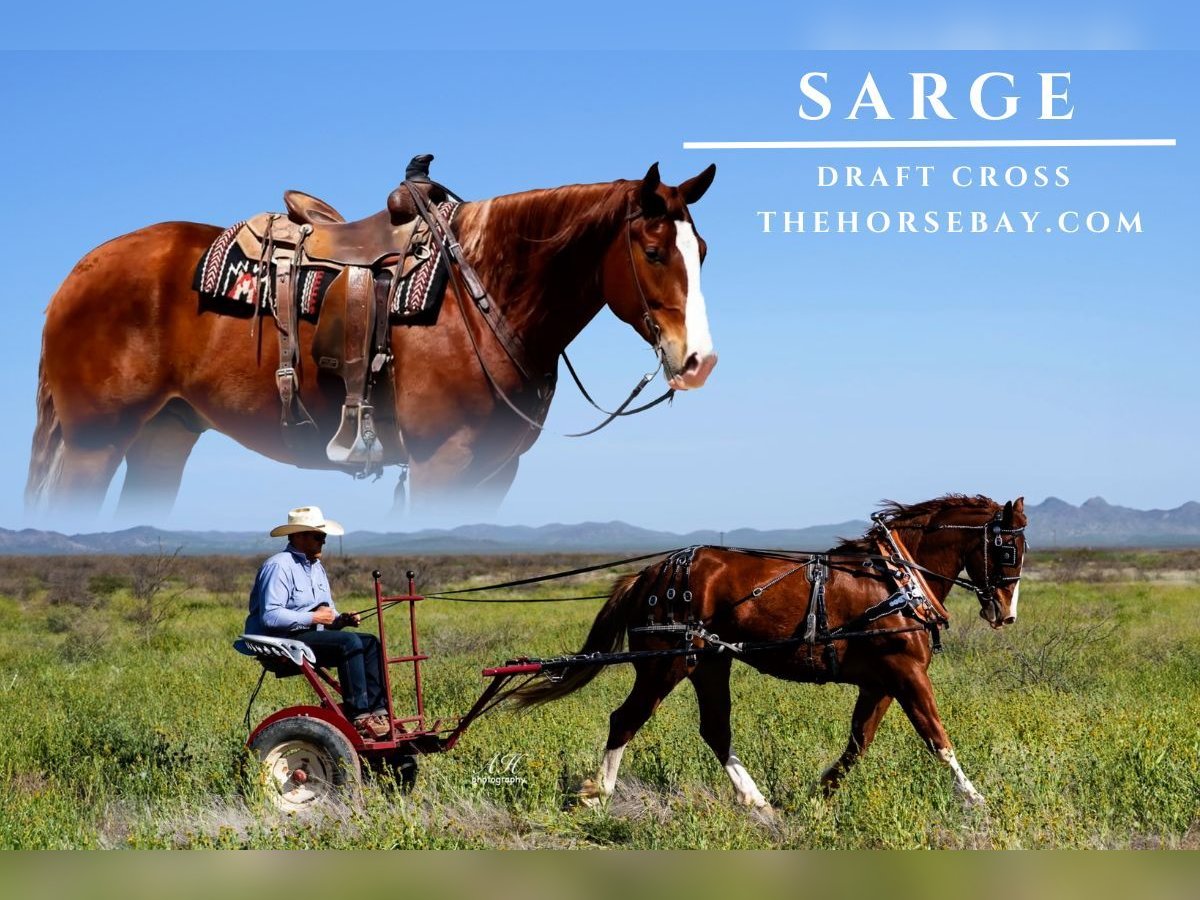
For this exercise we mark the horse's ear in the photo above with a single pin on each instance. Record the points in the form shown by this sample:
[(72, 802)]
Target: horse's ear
[(693, 189), (1008, 514), (1019, 506), (652, 204)]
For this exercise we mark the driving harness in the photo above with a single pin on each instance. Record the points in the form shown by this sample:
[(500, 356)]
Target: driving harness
[(910, 596)]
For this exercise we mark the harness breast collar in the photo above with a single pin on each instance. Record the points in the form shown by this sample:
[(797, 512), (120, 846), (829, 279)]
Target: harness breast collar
[(908, 577)]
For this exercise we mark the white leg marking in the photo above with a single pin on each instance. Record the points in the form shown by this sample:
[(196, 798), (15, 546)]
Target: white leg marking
[(1016, 595), (962, 784), (608, 770), (748, 793), (593, 792), (695, 319)]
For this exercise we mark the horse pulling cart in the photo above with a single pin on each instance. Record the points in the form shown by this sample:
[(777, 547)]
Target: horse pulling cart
[(867, 612)]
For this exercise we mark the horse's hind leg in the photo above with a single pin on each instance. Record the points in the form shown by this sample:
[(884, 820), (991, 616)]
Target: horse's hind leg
[(868, 712), (711, 681), (81, 476), (155, 460), (655, 679), (917, 699)]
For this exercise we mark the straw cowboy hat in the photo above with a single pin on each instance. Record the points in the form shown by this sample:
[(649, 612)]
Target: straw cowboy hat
[(307, 518)]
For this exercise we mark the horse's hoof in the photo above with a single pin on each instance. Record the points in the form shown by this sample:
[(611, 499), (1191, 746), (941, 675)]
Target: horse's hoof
[(590, 794)]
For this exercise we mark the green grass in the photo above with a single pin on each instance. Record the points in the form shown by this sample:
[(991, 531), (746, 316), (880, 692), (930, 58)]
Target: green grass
[(1079, 725)]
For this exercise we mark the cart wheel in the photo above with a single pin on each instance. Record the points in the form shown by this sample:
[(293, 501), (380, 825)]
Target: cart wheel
[(406, 772), (306, 764)]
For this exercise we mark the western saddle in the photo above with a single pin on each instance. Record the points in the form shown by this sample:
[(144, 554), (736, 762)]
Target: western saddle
[(369, 258)]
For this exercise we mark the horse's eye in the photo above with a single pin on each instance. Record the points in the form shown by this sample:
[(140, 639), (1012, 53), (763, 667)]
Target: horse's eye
[(654, 254)]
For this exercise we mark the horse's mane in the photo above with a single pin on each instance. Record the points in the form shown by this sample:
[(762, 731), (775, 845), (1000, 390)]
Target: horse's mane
[(514, 241), (915, 515)]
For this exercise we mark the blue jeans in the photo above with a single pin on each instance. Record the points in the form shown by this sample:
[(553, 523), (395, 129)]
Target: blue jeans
[(357, 659)]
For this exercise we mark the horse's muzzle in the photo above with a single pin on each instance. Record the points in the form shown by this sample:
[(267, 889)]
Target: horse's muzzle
[(995, 623), (989, 611), (694, 372)]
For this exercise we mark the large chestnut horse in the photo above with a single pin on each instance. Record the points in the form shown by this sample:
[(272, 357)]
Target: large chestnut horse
[(133, 370), (756, 605)]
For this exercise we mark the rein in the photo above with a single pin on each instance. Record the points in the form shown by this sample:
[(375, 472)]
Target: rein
[(521, 582), (679, 561), (462, 271)]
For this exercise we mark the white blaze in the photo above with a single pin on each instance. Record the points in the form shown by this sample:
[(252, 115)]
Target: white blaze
[(1012, 607), (695, 319)]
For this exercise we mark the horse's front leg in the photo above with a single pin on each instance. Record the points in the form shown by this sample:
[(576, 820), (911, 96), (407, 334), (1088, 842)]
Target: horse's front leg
[(864, 722), (711, 681), (916, 697)]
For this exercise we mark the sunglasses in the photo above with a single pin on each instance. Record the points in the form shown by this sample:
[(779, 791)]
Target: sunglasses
[(318, 536)]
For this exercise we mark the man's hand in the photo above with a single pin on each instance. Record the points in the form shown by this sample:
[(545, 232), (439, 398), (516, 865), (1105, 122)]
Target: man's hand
[(324, 615)]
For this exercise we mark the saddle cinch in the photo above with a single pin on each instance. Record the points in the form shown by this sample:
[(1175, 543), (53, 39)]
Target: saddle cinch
[(365, 264)]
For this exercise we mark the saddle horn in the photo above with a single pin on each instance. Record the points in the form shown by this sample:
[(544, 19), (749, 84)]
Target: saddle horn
[(399, 202)]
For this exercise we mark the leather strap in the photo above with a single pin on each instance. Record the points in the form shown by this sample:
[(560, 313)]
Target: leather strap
[(293, 415), (512, 344), (359, 318), (461, 270), (381, 351), (815, 622), (911, 572)]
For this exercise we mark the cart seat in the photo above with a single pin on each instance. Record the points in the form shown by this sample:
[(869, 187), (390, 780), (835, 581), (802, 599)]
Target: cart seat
[(280, 656)]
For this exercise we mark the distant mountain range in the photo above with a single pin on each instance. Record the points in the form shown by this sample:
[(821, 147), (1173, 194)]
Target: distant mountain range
[(1052, 523)]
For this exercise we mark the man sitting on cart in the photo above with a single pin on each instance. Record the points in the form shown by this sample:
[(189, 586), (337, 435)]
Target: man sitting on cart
[(291, 599)]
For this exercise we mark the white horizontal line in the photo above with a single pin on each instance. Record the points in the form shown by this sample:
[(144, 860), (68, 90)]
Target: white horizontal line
[(918, 145)]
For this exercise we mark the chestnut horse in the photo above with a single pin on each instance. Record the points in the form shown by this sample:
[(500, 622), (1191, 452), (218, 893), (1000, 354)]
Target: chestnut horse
[(132, 369), (881, 598)]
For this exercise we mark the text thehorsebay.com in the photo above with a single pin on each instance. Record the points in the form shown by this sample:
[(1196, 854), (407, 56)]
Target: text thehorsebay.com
[(991, 98)]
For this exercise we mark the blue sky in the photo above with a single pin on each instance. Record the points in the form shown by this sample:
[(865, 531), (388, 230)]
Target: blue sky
[(853, 366)]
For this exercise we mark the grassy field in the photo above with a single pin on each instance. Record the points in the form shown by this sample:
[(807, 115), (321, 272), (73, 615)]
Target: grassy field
[(121, 706)]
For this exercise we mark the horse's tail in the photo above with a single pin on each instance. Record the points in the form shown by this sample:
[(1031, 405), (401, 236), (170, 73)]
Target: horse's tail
[(607, 635), (45, 456)]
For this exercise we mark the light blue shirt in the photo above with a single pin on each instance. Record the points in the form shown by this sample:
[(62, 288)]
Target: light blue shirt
[(286, 591)]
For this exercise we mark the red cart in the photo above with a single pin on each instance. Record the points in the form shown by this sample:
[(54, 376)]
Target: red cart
[(311, 754)]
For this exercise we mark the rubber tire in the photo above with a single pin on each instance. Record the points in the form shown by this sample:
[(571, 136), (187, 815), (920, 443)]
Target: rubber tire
[(335, 766), (407, 769)]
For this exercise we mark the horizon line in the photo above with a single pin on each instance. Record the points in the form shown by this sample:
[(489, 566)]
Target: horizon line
[(929, 144)]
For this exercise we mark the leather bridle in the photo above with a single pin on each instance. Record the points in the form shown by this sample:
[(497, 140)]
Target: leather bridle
[(992, 537), (461, 271), (993, 532), (652, 329)]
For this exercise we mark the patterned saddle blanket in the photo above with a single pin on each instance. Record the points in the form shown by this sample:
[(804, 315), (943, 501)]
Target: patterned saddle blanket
[(237, 274)]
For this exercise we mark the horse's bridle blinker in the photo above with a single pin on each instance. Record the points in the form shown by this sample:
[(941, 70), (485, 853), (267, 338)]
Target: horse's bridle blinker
[(1007, 553)]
